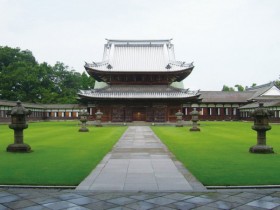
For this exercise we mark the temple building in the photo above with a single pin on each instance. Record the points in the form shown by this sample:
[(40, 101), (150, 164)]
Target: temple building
[(138, 80)]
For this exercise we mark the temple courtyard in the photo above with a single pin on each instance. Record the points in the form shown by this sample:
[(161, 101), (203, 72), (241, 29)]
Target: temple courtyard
[(140, 172)]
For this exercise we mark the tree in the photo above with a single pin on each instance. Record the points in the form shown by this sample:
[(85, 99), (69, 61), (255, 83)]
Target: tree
[(17, 74), (14, 55), (22, 78), (226, 88), (277, 83), (239, 88), (86, 82)]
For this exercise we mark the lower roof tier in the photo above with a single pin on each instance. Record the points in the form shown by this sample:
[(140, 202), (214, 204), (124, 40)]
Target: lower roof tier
[(138, 92)]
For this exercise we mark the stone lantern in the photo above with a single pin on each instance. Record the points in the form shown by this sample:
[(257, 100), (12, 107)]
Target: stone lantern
[(83, 118), (179, 116), (261, 117), (18, 124), (194, 119), (98, 118)]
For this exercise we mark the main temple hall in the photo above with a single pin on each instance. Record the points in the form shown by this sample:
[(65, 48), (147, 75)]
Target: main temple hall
[(138, 80)]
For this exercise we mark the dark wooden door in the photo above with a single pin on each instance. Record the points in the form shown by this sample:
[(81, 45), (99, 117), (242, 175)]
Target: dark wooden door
[(159, 114), (117, 114), (149, 114), (139, 114), (128, 114)]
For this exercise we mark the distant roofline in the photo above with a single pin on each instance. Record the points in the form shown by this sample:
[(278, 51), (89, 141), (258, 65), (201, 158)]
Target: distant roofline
[(270, 84)]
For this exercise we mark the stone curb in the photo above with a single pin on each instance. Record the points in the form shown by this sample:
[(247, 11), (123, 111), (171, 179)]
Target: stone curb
[(243, 187), (38, 187)]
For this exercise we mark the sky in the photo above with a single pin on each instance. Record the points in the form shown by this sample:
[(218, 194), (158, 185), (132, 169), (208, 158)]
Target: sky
[(230, 41)]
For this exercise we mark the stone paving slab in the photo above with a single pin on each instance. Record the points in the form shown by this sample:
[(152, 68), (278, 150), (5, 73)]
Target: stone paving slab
[(33, 199), (139, 162)]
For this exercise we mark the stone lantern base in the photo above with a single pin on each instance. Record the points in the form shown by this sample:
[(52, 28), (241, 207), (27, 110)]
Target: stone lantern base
[(262, 149), (194, 129), (18, 148), (83, 129)]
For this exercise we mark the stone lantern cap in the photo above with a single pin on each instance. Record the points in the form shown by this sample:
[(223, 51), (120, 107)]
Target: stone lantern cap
[(99, 112), (83, 113), (19, 110), (179, 113), (261, 112), (194, 112)]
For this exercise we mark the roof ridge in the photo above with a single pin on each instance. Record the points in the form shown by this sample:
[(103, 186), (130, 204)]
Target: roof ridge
[(139, 40)]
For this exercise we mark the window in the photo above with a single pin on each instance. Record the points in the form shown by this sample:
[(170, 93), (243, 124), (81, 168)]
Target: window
[(234, 111), (226, 111), (210, 111)]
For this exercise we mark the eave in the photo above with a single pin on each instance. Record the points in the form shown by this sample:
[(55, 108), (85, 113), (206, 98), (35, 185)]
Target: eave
[(141, 77)]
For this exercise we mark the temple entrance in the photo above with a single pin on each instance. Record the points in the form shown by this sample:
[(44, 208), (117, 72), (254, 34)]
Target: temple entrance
[(139, 114)]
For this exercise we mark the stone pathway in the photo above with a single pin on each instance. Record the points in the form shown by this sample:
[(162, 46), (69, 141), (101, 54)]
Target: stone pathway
[(140, 162)]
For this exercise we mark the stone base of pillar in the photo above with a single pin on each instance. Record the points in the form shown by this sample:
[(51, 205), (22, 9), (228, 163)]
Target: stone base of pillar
[(83, 130), (263, 149), (18, 148), (194, 129)]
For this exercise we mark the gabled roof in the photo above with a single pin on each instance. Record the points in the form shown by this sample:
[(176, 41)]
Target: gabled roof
[(138, 92), (139, 56), (264, 91)]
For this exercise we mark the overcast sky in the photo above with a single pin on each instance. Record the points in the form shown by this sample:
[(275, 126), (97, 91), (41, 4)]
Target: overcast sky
[(230, 41)]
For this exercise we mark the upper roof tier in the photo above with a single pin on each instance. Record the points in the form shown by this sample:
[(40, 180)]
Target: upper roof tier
[(139, 56)]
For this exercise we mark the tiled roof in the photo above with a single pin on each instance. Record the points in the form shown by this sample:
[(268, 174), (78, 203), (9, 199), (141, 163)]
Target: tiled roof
[(138, 92), (14, 103), (225, 96), (267, 104), (250, 94), (41, 106), (140, 56), (63, 106)]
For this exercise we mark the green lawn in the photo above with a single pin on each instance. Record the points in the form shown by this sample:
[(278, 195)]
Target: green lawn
[(61, 155), (218, 155)]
